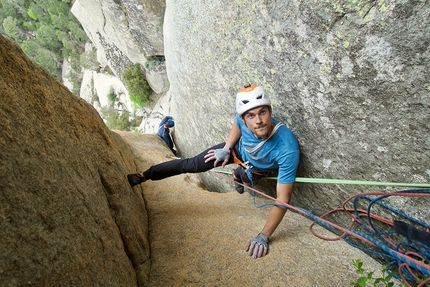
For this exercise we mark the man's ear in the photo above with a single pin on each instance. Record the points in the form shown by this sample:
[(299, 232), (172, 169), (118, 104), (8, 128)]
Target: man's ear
[(243, 120)]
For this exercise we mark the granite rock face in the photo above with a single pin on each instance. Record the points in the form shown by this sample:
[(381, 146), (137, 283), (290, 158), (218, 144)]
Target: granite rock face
[(68, 216), (124, 33), (350, 78)]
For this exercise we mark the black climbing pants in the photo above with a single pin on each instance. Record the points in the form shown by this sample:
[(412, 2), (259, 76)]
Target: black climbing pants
[(189, 165)]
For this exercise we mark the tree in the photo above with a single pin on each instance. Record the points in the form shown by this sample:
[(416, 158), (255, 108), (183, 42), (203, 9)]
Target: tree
[(69, 46), (77, 32), (138, 88), (58, 7), (7, 9), (30, 48), (47, 37), (37, 12), (50, 61), (10, 26), (45, 29), (60, 21)]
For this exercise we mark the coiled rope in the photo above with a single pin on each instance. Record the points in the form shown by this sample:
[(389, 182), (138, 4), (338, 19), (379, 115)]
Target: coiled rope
[(413, 266)]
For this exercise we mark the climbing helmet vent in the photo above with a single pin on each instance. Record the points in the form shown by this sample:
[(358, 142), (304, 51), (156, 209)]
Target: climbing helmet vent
[(251, 97)]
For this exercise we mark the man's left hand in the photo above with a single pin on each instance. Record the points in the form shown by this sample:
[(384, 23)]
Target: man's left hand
[(258, 246)]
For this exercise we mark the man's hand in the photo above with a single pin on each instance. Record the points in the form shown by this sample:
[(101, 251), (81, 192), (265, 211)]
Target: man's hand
[(258, 246), (219, 155)]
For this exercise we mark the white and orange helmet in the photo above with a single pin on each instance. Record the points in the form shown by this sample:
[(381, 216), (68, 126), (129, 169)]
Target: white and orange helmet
[(250, 97)]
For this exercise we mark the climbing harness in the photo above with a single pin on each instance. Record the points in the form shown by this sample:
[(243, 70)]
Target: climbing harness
[(248, 169), (411, 256)]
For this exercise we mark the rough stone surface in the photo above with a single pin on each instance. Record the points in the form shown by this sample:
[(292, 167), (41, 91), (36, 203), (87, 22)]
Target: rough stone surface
[(157, 78), (125, 32), (67, 214), (197, 237), (350, 78), (162, 108), (69, 218), (145, 22)]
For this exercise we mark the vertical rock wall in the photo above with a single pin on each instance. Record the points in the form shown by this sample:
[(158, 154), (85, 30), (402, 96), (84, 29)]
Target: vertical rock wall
[(68, 216), (350, 78)]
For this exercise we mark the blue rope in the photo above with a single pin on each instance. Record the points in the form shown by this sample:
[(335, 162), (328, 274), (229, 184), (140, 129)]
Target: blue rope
[(389, 253), (418, 247)]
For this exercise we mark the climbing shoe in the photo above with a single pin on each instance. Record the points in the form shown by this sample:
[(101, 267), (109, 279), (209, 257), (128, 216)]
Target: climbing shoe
[(237, 176), (135, 179)]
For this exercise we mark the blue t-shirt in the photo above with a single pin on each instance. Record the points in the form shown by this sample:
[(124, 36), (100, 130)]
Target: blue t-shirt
[(280, 152)]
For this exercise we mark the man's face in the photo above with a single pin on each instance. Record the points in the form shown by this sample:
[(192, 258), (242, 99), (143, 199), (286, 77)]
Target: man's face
[(258, 121)]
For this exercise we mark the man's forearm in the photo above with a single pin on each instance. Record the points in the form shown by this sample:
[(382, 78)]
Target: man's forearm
[(234, 135), (277, 213), (275, 217)]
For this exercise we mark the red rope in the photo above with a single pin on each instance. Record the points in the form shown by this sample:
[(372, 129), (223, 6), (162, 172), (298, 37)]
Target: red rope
[(345, 231)]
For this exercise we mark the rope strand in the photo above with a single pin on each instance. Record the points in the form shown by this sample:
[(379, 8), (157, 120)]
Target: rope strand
[(409, 263)]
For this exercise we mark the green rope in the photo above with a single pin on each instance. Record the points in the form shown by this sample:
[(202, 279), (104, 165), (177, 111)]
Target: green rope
[(346, 181)]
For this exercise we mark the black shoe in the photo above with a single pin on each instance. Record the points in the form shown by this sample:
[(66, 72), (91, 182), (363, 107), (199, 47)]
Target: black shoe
[(135, 179), (237, 179), (239, 188)]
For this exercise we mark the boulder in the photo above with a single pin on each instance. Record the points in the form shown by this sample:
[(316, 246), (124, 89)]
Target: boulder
[(68, 214)]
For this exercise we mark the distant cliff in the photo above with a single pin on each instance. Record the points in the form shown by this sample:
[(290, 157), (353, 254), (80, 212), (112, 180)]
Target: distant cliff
[(124, 32)]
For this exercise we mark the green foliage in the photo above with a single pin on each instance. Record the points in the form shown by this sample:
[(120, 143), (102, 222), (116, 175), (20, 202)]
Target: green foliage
[(116, 120), (77, 32), (112, 96), (60, 21), (6, 10), (47, 37), (88, 60), (10, 26), (46, 30), (136, 130), (36, 12), (138, 88), (153, 61), (368, 280), (49, 60), (30, 48), (67, 43)]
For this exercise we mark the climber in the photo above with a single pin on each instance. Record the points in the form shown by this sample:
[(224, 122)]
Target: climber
[(164, 132), (259, 144)]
